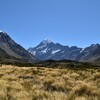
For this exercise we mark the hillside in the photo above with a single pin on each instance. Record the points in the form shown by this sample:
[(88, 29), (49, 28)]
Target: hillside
[(13, 52)]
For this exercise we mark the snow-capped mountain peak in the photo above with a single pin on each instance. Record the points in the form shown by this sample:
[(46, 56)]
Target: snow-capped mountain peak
[(46, 41), (1, 31), (95, 45), (50, 50)]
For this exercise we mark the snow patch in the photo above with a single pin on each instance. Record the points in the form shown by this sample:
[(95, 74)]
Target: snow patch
[(44, 51), (46, 41), (82, 50), (63, 51), (1, 31), (41, 47), (53, 52), (34, 52)]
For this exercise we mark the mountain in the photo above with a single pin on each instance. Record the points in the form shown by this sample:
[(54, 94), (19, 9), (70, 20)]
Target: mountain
[(55, 51), (11, 51), (90, 54), (49, 50)]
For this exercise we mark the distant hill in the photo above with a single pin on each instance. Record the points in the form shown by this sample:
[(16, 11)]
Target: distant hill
[(10, 51), (49, 50)]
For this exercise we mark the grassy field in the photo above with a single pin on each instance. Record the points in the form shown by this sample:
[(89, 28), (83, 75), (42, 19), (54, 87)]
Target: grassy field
[(39, 83)]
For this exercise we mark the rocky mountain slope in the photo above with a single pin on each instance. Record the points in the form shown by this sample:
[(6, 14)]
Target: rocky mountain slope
[(10, 50), (49, 50), (90, 54)]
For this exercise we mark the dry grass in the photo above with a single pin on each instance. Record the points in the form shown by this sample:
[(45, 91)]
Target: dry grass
[(48, 84)]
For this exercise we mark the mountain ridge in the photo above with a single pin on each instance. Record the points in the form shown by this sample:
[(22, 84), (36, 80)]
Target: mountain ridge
[(55, 51), (51, 48), (14, 50)]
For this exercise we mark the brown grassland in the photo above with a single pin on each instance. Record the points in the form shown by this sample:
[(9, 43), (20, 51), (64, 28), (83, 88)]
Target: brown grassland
[(40, 83)]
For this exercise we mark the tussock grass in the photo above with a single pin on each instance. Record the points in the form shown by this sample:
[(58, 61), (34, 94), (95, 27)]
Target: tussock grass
[(39, 83)]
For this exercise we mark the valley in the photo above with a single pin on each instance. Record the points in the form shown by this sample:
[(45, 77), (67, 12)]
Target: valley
[(50, 50)]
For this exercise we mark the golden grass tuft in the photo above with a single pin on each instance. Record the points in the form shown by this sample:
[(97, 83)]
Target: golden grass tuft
[(27, 83)]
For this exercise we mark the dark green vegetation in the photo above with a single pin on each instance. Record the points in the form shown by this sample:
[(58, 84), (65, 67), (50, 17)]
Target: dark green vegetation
[(52, 64), (66, 64)]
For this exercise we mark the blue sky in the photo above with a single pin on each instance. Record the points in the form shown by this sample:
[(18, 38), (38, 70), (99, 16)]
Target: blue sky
[(69, 22)]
